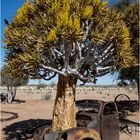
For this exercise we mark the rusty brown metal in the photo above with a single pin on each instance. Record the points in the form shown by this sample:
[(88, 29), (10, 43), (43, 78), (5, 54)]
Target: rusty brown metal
[(89, 114), (80, 134), (110, 122), (99, 115), (40, 132)]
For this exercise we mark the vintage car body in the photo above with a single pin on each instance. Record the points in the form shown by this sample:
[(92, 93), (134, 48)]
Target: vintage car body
[(99, 115), (96, 120), (78, 133)]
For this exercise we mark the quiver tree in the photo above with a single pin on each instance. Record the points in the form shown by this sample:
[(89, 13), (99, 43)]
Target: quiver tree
[(130, 12), (75, 39), (11, 82)]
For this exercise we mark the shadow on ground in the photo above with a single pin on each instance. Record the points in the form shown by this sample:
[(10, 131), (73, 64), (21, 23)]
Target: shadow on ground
[(18, 101), (23, 130)]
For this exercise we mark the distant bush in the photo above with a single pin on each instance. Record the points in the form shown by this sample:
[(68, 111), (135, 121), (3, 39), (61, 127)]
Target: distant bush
[(46, 96), (100, 92), (41, 86)]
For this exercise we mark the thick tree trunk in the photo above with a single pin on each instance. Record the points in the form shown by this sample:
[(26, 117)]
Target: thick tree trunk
[(11, 94), (14, 93), (64, 115)]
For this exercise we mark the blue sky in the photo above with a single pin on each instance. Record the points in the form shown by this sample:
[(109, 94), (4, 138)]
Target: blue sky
[(8, 11)]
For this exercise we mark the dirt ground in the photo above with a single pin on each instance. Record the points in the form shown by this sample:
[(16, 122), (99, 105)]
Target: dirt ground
[(32, 110)]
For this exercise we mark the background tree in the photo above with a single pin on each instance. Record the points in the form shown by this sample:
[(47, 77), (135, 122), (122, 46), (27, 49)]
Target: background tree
[(41, 85), (122, 4), (12, 82), (75, 39), (130, 11)]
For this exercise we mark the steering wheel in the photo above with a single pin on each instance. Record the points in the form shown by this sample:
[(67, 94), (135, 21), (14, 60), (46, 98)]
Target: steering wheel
[(122, 97)]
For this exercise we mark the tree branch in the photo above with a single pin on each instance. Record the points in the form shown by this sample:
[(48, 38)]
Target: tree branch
[(105, 68), (49, 78), (54, 70)]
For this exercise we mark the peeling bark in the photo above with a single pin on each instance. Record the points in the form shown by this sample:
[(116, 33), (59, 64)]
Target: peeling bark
[(64, 114)]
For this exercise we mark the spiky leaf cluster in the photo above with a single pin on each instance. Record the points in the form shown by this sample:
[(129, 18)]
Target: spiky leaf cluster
[(69, 37), (130, 16)]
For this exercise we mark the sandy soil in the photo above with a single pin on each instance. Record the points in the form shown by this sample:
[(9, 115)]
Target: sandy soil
[(32, 111)]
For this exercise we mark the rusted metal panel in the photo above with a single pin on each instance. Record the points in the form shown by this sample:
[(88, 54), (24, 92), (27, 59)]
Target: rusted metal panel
[(102, 116), (90, 120), (94, 105), (110, 122), (80, 134), (40, 132), (70, 134), (89, 114)]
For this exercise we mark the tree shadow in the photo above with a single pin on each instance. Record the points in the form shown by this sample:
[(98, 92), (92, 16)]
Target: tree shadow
[(24, 130), (18, 101), (15, 101)]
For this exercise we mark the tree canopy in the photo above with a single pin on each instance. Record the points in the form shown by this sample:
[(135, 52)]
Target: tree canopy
[(11, 82), (84, 39), (130, 13)]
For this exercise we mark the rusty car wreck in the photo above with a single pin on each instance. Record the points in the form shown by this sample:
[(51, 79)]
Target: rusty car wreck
[(99, 115), (96, 120)]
